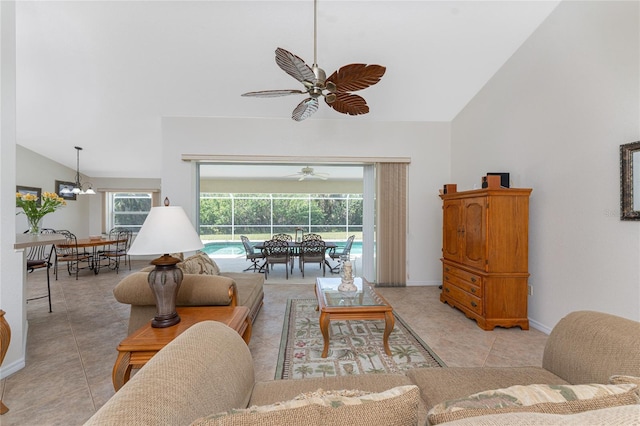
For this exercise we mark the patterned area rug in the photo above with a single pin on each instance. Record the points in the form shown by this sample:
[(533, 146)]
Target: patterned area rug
[(355, 347)]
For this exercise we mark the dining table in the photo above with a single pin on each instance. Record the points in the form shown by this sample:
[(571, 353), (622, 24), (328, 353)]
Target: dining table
[(94, 243), (294, 247)]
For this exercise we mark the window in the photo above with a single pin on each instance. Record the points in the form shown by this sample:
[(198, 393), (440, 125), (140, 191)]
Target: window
[(127, 209)]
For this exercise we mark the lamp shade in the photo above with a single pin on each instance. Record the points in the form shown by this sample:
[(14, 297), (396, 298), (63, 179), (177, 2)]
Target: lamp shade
[(166, 230)]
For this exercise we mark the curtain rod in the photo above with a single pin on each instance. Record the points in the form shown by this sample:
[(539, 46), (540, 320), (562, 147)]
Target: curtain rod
[(291, 159)]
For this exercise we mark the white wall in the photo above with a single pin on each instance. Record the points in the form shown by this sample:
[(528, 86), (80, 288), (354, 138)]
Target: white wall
[(427, 144), (82, 216), (554, 116), (32, 169), (12, 269)]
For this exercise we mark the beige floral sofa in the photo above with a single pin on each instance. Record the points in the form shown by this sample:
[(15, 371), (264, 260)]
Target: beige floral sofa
[(203, 285), (206, 377)]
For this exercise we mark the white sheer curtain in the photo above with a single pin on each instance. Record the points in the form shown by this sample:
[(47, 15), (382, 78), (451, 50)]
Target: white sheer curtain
[(391, 224)]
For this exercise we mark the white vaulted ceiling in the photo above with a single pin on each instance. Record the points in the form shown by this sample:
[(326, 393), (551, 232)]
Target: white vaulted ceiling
[(101, 74)]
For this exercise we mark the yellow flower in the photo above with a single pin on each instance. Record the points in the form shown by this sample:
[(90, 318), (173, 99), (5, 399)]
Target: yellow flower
[(29, 204)]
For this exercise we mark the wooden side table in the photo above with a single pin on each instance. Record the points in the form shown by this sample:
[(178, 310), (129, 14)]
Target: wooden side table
[(137, 349)]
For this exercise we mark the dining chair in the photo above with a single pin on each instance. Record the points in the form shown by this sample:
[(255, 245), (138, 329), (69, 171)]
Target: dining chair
[(254, 256), (276, 251), (293, 250), (309, 237), (346, 251), (114, 252), (70, 253), (313, 251), (39, 257)]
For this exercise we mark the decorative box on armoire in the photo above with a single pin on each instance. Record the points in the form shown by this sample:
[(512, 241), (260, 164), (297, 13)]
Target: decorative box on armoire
[(485, 251)]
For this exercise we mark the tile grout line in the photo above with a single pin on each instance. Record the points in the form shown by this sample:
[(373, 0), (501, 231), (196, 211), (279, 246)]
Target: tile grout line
[(484, 363), (73, 333)]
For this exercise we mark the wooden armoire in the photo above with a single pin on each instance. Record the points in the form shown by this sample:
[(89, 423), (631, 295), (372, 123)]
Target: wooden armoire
[(485, 251)]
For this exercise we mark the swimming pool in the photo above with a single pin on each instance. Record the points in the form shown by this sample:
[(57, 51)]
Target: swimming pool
[(235, 248)]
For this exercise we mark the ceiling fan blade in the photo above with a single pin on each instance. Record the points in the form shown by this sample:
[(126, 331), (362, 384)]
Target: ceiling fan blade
[(353, 77), (348, 103), (294, 66), (273, 93), (305, 109)]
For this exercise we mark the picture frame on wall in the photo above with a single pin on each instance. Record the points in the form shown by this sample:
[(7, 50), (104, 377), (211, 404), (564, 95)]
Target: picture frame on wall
[(60, 185), (31, 190)]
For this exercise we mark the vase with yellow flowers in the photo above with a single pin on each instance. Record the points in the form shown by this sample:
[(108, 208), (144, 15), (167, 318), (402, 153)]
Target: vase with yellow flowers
[(34, 212)]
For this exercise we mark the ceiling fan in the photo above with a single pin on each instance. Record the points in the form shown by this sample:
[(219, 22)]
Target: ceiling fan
[(335, 89), (308, 172)]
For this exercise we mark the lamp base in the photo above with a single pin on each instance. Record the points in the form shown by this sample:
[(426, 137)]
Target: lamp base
[(165, 282)]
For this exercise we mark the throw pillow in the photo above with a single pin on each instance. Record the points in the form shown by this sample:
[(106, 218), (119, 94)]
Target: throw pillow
[(199, 263), (397, 406), (177, 255), (551, 399)]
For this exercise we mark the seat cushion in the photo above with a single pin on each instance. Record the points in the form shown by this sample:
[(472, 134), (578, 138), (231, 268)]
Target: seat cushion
[(442, 384), (250, 290)]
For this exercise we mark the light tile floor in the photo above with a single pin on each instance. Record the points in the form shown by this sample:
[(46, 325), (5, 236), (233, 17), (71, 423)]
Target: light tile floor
[(70, 352)]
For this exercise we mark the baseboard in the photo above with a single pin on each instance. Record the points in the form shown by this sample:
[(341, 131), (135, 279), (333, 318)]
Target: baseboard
[(14, 367), (429, 283), (540, 327)]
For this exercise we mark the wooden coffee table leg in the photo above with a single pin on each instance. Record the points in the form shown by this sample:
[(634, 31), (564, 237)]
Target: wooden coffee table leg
[(389, 323), (121, 370), (324, 328)]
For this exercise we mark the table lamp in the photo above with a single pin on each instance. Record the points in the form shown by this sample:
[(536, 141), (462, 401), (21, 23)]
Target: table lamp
[(166, 230)]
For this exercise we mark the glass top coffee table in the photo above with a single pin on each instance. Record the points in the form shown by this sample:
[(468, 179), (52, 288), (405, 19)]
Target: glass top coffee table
[(363, 304)]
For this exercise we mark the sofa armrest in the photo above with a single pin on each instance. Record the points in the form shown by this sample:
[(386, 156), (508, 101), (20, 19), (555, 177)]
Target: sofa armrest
[(590, 347), (205, 370), (196, 290)]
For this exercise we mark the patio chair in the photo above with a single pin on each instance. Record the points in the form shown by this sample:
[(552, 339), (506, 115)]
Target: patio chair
[(313, 251), (70, 254), (346, 251), (309, 237), (39, 257), (276, 251), (282, 237), (254, 256)]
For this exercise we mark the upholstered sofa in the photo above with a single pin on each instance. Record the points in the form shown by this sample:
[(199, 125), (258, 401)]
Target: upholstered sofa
[(209, 370), (202, 285)]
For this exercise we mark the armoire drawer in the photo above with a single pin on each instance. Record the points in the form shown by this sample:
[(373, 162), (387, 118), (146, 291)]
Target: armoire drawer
[(468, 282), (465, 299)]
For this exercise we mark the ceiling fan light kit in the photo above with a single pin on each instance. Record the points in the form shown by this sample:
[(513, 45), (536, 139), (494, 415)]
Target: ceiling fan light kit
[(335, 89)]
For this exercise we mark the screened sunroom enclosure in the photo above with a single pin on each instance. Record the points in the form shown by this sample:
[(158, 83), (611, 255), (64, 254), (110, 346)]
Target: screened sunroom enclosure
[(263, 198)]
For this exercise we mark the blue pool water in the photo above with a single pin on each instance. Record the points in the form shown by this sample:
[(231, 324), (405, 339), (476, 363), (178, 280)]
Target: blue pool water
[(235, 248)]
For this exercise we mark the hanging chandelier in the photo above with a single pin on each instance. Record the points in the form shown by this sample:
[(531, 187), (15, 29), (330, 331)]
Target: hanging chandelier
[(77, 186)]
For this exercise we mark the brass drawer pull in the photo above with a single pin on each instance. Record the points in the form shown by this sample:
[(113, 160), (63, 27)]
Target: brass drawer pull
[(446, 289), (474, 304), (446, 269), (473, 290), (473, 280), (446, 277)]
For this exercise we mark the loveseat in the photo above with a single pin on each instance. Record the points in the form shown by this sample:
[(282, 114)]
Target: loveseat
[(208, 370), (202, 285)]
